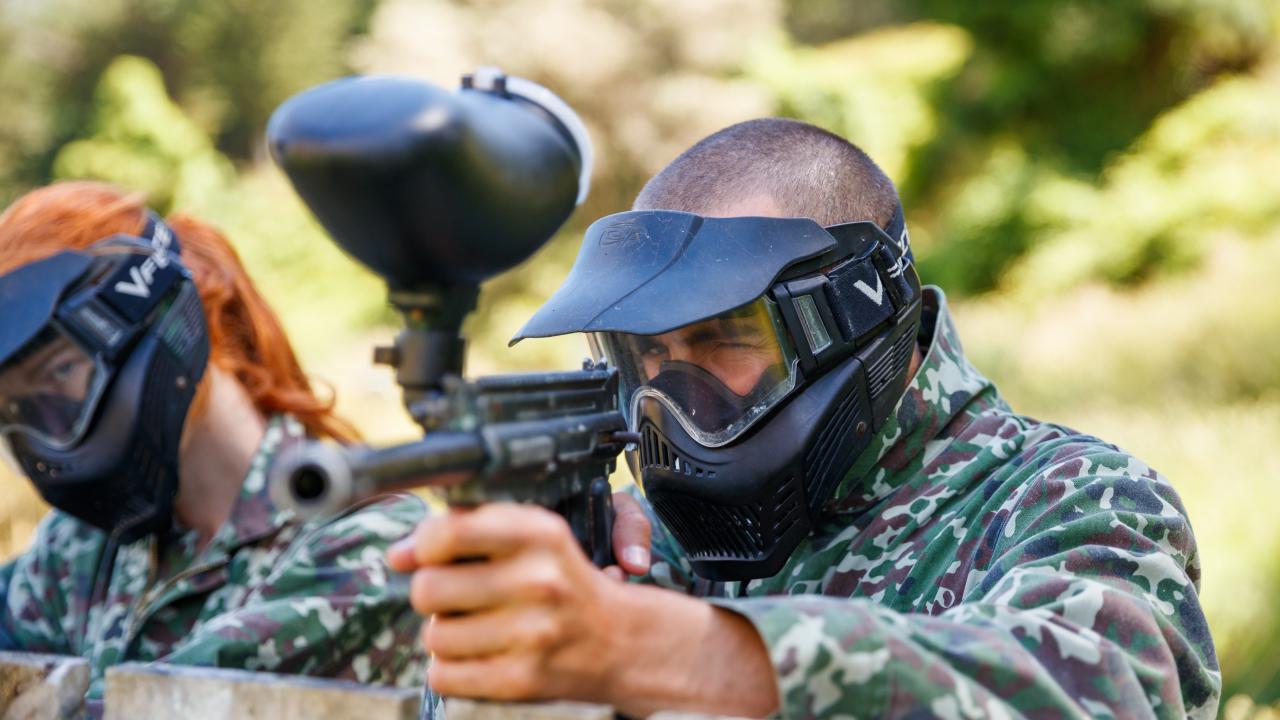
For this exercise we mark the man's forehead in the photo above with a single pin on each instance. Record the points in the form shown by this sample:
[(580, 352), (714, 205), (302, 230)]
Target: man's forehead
[(760, 205), (735, 324)]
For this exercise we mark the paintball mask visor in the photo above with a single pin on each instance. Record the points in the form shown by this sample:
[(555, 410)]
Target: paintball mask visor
[(50, 388), (717, 376), (65, 323)]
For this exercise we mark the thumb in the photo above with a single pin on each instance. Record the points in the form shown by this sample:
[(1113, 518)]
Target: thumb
[(632, 534)]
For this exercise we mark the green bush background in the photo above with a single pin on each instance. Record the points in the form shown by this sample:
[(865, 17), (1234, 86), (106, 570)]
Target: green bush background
[(1096, 184)]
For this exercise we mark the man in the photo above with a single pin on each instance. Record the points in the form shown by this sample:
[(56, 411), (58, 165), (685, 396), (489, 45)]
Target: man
[(852, 523)]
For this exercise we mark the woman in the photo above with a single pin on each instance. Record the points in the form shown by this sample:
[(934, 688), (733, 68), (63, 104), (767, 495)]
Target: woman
[(150, 427)]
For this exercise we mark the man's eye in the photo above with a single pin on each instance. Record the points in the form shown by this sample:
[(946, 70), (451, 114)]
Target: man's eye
[(64, 370)]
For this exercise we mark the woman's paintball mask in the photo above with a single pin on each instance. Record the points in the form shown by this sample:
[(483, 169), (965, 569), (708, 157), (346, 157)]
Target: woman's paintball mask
[(100, 353), (757, 356)]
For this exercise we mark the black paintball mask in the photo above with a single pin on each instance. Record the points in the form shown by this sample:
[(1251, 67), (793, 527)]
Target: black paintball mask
[(100, 354), (757, 356)]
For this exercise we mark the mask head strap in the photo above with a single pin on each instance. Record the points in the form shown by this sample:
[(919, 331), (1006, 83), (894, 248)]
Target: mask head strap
[(109, 313), (899, 243), (157, 233), (833, 310)]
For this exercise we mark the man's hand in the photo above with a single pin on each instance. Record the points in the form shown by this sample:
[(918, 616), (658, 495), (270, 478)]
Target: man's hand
[(520, 613), (516, 604)]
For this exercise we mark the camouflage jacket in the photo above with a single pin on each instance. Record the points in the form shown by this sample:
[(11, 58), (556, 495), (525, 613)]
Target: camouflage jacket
[(979, 564), (267, 593)]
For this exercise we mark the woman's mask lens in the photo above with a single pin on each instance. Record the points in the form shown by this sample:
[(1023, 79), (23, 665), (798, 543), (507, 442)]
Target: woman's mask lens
[(47, 389)]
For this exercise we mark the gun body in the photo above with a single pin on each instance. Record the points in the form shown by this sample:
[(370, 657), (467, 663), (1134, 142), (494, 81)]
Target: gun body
[(551, 439)]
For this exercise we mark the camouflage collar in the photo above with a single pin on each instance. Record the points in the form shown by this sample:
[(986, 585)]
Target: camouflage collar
[(943, 386), (254, 515), (159, 577)]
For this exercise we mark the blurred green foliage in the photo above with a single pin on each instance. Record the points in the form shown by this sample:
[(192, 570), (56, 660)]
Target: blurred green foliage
[(228, 63), (1052, 88), (1095, 184), (136, 137)]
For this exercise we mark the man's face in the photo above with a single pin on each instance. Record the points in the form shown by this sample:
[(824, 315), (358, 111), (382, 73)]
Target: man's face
[(737, 349)]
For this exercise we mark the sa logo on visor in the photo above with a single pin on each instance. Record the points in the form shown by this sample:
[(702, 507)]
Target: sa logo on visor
[(624, 236)]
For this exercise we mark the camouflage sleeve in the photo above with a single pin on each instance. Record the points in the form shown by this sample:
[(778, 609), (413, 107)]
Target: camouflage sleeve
[(1087, 608), (330, 608), (34, 587)]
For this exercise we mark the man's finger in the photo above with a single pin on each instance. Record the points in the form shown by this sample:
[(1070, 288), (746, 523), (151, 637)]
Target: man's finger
[(490, 531), (481, 634), (501, 677), (468, 587), (632, 534)]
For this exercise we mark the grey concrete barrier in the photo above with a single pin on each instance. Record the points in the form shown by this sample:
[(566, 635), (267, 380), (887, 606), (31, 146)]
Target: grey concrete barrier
[(41, 687), (52, 687), (463, 709)]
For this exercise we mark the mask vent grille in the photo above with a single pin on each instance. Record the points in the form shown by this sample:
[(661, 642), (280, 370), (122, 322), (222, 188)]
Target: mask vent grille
[(887, 366), (831, 453), (656, 453), (709, 531)]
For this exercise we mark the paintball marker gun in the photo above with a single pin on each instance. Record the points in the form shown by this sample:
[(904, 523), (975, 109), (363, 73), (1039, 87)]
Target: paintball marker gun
[(436, 192)]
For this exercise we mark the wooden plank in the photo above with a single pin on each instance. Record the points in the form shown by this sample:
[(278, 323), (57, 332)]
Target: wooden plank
[(137, 690)]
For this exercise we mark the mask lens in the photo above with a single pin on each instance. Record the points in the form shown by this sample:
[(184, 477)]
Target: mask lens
[(718, 375), (49, 389)]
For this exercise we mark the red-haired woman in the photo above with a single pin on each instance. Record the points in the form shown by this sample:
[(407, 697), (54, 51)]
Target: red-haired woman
[(145, 387)]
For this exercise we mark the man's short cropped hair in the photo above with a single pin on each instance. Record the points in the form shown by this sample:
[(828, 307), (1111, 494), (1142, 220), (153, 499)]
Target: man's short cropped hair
[(805, 170)]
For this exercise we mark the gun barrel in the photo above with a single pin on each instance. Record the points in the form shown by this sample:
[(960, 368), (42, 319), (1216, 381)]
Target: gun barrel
[(315, 479)]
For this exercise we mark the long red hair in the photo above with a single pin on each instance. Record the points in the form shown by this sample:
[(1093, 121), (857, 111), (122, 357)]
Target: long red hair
[(245, 337)]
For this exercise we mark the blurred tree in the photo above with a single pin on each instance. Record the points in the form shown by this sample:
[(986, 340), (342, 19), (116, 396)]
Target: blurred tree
[(139, 139), (649, 78), (1069, 84), (240, 58), (229, 62), (1201, 170), (1076, 78), (1052, 88)]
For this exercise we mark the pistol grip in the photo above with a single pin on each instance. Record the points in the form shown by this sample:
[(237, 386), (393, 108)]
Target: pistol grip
[(597, 535)]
